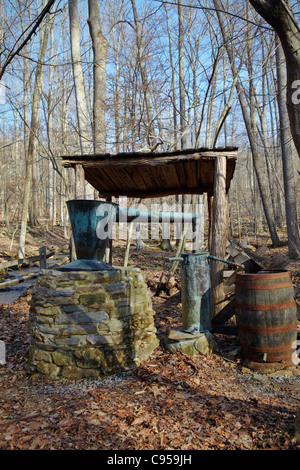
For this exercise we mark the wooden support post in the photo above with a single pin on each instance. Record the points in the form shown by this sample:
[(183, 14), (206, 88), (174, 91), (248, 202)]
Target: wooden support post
[(43, 258), (219, 234), (210, 199), (79, 182)]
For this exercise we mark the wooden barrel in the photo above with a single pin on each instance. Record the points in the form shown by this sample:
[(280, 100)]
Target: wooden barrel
[(266, 316)]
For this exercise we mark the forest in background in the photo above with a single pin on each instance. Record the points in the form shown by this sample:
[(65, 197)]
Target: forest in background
[(176, 75)]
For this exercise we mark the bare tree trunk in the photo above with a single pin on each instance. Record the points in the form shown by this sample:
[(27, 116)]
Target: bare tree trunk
[(32, 137), (175, 128), (117, 51), (287, 158), (52, 179), (280, 16), (250, 131), (183, 123), (145, 83), (210, 111), (25, 78), (81, 104), (100, 47)]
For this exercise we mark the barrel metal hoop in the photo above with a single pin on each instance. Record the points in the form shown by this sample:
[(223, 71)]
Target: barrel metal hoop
[(262, 277), (242, 285), (267, 349), (267, 330), (268, 308), (270, 357)]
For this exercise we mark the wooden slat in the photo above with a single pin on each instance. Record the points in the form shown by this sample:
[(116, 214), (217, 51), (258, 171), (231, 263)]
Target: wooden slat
[(136, 175), (228, 281), (172, 174), (98, 179), (181, 174), (148, 177), (205, 173), (163, 180), (120, 179), (123, 178), (12, 282), (225, 314), (17, 262), (191, 174)]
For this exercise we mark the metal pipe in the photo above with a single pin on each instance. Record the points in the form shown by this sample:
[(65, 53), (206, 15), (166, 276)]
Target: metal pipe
[(225, 261), (129, 214), (177, 258)]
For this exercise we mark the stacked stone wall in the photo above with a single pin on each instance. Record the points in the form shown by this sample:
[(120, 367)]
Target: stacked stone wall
[(88, 324)]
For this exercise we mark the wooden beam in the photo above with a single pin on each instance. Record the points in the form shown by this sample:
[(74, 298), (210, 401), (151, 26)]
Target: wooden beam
[(17, 262), (150, 193), (210, 199), (142, 160), (224, 314), (12, 282), (79, 182), (220, 229), (43, 257)]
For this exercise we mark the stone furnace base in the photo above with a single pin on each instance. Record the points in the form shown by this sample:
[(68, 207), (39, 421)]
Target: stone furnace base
[(87, 324), (190, 343)]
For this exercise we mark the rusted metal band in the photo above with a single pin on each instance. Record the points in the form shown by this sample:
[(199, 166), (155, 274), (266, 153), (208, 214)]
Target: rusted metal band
[(255, 277), (267, 349), (270, 357), (267, 308), (242, 285), (267, 330)]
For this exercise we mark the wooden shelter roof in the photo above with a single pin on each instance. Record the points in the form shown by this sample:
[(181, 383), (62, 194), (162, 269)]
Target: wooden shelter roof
[(145, 175)]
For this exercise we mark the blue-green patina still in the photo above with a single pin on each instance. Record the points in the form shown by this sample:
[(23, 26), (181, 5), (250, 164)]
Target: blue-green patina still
[(92, 223), (85, 218), (195, 291)]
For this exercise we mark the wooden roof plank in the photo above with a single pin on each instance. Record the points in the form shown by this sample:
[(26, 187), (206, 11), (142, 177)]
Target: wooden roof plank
[(205, 173), (181, 174), (136, 175), (162, 179), (123, 178), (148, 176), (191, 175), (172, 173), (96, 178)]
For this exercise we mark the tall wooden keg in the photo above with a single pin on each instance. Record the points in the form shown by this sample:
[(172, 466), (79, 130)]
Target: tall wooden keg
[(266, 316)]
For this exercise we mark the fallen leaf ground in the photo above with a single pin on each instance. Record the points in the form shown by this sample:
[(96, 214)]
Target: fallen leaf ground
[(171, 402)]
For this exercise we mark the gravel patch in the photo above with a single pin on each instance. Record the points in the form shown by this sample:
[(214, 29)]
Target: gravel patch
[(81, 387)]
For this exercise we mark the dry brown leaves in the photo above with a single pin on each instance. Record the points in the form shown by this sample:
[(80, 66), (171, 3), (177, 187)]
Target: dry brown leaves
[(171, 402)]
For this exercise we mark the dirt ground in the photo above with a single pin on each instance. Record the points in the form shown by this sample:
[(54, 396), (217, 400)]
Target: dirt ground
[(171, 402)]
